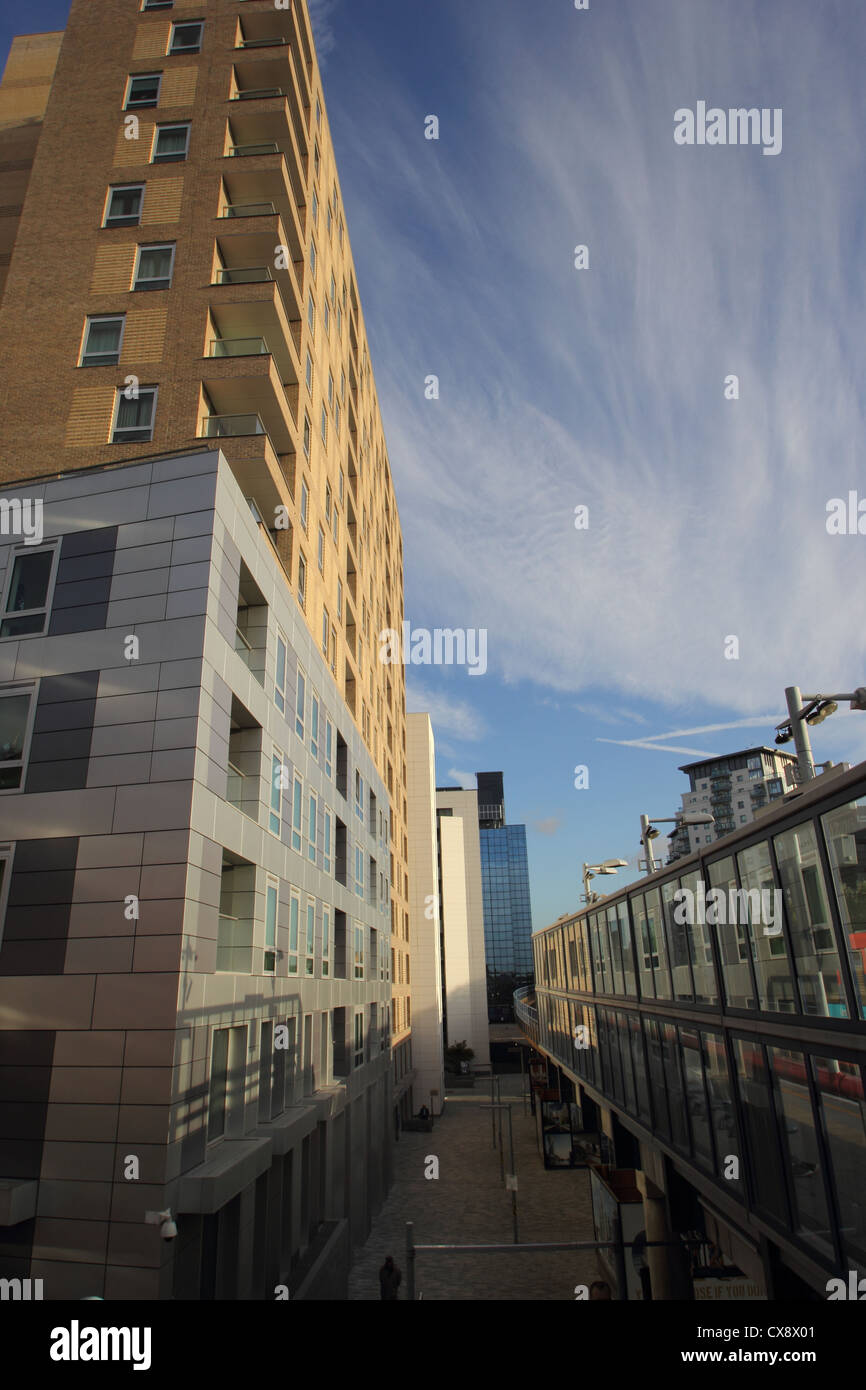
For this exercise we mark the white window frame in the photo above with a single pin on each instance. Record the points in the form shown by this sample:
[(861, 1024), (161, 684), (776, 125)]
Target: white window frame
[(153, 246), (275, 808), (328, 842), (280, 690), (327, 934), (122, 188), (312, 819), (88, 323), (172, 158), (294, 930), (300, 702), (142, 105), (185, 49), (326, 628), (308, 373), (305, 505), (9, 692), (329, 748), (44, 609), (297, 813), (315, 723), (153, 392), (310, 938), (272, 894)]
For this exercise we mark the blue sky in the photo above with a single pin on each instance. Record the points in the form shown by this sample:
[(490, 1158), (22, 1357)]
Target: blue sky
[(605, 387)]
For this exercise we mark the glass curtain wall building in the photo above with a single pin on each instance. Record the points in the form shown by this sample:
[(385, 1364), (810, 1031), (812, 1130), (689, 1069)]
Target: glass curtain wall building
[(731, 1046), (505, 891)]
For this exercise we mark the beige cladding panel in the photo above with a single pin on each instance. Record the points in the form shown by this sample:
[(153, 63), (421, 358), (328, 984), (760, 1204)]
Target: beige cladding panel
[(151, 41), (90, 416), (144, 335), (162, 199), (112, 271), (137, 151), (178, 87)]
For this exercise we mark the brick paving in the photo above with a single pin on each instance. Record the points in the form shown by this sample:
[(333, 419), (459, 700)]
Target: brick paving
[(468, 1204)]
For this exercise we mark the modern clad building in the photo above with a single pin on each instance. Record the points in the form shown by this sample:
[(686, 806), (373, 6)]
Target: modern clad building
[(505, 893), (203, 802), (425, 920)]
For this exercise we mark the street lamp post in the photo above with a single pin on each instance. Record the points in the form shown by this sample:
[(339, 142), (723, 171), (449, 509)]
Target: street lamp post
[(648, 831), (815, 710), (608, 866)]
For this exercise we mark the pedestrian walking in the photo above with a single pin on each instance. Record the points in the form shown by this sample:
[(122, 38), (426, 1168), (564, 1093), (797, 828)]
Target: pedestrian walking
[(389, 1278)]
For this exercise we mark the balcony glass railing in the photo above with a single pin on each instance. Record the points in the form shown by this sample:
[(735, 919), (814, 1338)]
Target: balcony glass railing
[(248, 210), (237, 347), (236, 778), (234, 945), (260, 93), (218, 426), (262, 147), (243, 275), (278, 41)]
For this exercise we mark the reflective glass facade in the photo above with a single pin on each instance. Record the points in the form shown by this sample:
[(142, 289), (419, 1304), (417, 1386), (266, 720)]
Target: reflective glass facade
[(507, 916), (736, 1044)]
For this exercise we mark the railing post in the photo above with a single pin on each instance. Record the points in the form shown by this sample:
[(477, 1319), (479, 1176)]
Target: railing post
[(410, 1261)]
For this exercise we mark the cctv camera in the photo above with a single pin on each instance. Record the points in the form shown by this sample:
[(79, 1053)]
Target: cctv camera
[(168, 1230)]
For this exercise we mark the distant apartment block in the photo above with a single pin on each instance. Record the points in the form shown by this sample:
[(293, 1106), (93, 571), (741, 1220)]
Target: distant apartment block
[(462, 908), (425, 921), (732, 789)]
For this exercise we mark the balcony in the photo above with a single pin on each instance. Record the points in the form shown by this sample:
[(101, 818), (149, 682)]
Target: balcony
[(266, 88), (251, 305), (248, 397), (237, 347), (250, 241), (259, 470), (265, 179)]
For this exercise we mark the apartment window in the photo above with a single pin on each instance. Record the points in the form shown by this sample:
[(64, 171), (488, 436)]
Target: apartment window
[(316, 159), (271, 894), (340, 600), (133, 419), (315, 208), (123, 205), (157, 4), (275, 815), (308, 376), (294, 922), (333, 649), (26, 606), (324, 425), (321, 555), (342, 386), (330, 219), (326, 627), (327, 318), (337, 417), (339, 322), (327, 842), (302, 579), (311, 315), (186, 38), (342, 486), (314, 725), (309, 961), (280, 676), (225, 1099), (307, 437), (329, 747), (326, 940), (153, 267), (340, 232), (171, 144), (359, 952), (359, 796), (318, 112), (313, 259), (300, 703), (359, 871), (330, 388), (102, 338), (359, 1039), (335, 523), (297, 813), (16, 726), (142, 90)]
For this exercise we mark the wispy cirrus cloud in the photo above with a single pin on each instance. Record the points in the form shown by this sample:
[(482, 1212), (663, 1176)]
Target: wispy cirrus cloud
[(447, 714)]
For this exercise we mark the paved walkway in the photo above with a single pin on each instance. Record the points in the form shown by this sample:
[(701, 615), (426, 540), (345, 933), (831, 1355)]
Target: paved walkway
[(469, 1205)]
